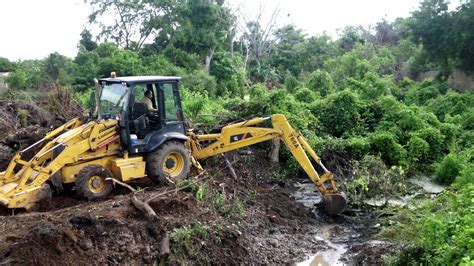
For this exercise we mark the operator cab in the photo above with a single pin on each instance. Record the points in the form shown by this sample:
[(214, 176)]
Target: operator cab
[(146, 106)]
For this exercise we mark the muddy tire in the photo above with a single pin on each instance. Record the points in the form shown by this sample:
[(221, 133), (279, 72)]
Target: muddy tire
[(172, 159), (91, 182)]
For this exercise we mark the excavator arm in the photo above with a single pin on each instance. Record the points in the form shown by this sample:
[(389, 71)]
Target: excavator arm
[(245, 133)]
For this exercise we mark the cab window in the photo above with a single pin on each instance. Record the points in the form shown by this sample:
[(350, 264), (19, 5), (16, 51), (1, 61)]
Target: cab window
[(170, 101), (139, 92)]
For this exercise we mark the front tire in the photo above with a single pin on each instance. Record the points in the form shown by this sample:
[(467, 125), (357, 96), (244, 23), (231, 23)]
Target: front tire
[(91, 182), (171, 160)]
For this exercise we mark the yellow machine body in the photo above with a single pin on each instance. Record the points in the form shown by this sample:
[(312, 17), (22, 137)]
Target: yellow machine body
[(128, 169), (73, 147), (70, 148)]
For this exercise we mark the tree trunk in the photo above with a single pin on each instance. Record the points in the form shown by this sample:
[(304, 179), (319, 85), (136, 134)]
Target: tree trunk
[(209, 56), (275, 153)]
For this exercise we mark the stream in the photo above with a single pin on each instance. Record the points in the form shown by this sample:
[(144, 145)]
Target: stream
[(347, 238)]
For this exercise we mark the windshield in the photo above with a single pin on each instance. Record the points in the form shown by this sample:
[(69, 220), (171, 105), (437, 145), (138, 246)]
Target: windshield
[(112, 100)]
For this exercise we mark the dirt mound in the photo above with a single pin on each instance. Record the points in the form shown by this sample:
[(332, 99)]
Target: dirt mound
[(5, 156), (21, 124), (19, 114)]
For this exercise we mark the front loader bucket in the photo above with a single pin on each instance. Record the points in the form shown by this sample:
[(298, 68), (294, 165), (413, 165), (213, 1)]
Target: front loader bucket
[(335, 202), (29, 199)]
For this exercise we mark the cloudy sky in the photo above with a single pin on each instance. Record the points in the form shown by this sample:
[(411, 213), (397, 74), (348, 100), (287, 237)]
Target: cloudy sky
[(31, 29)]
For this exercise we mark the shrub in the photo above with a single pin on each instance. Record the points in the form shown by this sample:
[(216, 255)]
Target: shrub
[(305, 95), (435, 140), (372, 178), (385, 144), (320, 81), (339, 114), (417, 150), (200, 81), (448, 169)]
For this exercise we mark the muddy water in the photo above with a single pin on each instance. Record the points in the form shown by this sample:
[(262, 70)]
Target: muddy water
[(344, 237), (307, 194), (331, 256)]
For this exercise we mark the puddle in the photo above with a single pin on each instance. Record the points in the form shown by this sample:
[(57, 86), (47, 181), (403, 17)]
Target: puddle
[(307, 194), (347, 239), (330, 256)]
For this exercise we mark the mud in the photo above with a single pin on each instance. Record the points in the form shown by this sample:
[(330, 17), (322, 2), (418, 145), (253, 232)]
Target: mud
[(346, 239)]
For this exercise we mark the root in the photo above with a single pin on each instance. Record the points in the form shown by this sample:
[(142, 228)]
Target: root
[(142, 206)]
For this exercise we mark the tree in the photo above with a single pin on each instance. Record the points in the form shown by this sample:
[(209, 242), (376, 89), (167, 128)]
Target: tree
[(134, 21), (431, 26), (258, 41), (447, 36), (86, 41), (385, 34), (464, 25), (202, 27), (6, 65), (350, 36), (58, 67)]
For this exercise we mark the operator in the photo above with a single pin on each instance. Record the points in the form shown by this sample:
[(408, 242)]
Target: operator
[(147, 101)]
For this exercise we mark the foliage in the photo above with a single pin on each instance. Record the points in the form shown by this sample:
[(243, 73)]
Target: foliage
[(372, 178), (190, 239), (321, 82), (448, 169), (446, 35), (438, 232), (6, 65)]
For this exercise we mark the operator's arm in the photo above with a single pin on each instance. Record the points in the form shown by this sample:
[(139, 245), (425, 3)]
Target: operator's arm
[(149, 105)]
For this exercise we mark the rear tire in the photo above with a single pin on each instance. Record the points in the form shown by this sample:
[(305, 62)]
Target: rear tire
[(172, 159), (91, 182)]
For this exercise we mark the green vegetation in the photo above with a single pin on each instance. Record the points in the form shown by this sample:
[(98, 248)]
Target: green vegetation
[(189, 240), (353, 98)]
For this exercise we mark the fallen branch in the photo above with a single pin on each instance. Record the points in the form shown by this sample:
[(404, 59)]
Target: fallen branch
[(164, 245), (143, 206)]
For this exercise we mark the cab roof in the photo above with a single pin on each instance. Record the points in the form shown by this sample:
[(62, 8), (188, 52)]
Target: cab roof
[(130, 80)]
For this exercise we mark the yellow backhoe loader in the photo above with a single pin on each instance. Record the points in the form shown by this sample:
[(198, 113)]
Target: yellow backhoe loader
[(140, 132)]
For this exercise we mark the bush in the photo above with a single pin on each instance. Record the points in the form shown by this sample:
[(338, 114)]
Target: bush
[(447, 238), (372, 178), (320, 81), (305, 95), (339, 114), (418, 150), (200, 81), (385, 144), (448, 169)]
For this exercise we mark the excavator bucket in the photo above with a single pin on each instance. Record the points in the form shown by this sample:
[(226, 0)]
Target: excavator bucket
[(335, 202)]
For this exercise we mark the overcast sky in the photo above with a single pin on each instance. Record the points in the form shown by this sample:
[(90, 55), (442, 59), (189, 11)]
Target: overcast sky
[(32, 29)]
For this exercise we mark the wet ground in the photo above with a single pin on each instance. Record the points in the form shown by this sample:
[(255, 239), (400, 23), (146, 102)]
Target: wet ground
[(347, 239)]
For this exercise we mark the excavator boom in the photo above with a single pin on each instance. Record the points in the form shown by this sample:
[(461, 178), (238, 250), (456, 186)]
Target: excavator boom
[(245, 133)]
